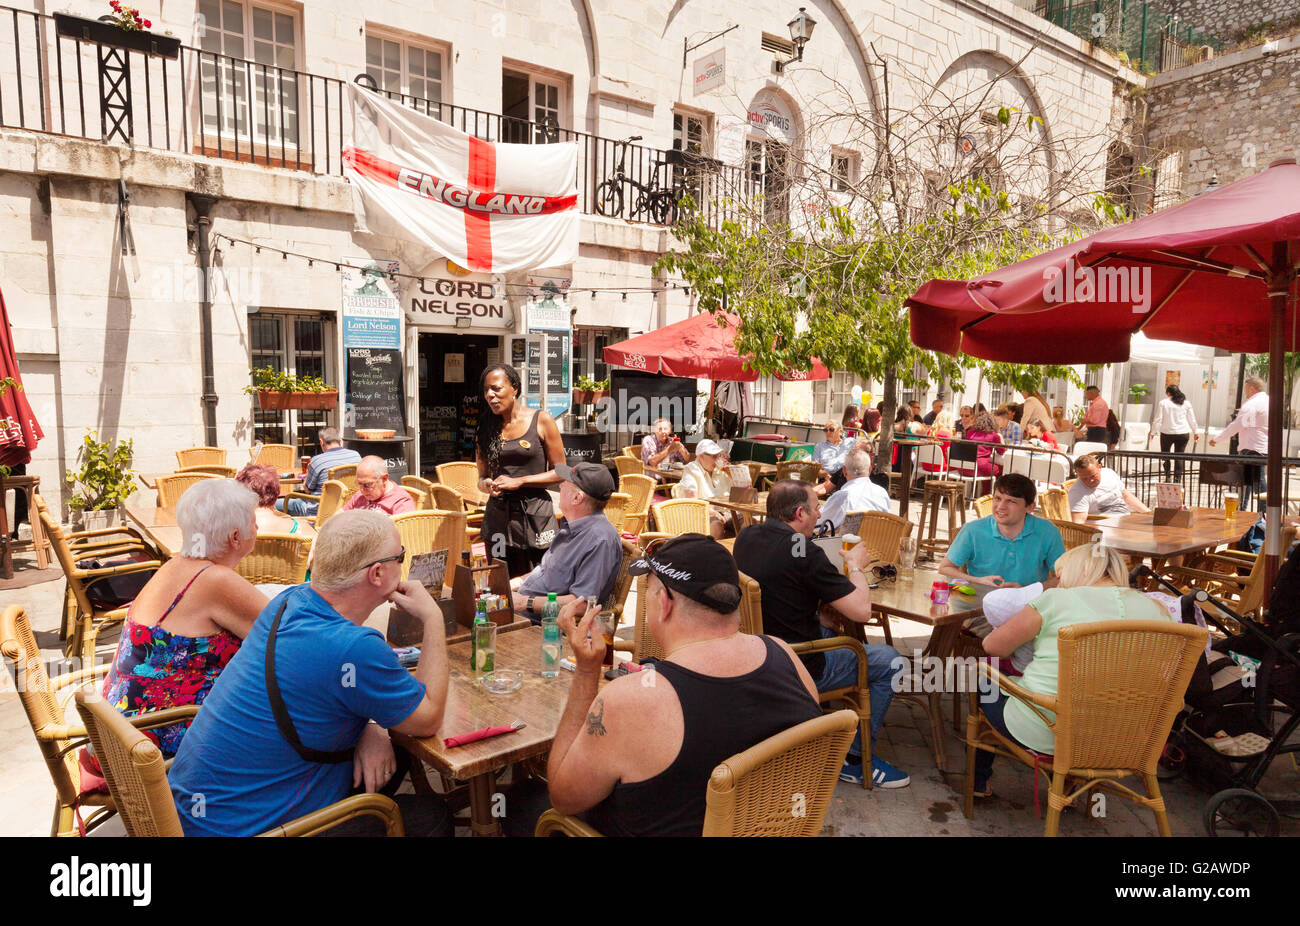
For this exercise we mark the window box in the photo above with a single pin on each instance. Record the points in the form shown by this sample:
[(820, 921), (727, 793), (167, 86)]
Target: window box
[(108, 33), (269, 401)]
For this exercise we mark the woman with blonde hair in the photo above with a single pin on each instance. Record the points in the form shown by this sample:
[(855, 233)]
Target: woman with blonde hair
[(1093, 587)]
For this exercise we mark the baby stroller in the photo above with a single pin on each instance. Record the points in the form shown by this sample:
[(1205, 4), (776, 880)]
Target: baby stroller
[(1241, 709)]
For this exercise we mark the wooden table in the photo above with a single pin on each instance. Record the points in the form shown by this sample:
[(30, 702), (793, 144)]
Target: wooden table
[(755, 510), (666, 476), (157, 524), (539, 703), (1136, 534)]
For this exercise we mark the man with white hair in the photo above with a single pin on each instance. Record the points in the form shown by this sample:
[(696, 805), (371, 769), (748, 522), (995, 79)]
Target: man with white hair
[(1251, 428), (302, 712), (375, 491), (859, 492), (705, 477)]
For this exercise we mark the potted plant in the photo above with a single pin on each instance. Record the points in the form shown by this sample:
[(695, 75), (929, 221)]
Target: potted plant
[(587, 390), (1136, 410), (102, 483), (121, 27), (277, 390)]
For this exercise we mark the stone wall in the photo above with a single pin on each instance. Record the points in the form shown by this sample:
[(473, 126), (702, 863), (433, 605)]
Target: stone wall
[(1228, 19), (1228, 117)]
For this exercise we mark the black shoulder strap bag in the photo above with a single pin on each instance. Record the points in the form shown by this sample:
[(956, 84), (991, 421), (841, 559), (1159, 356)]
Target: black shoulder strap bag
[(281, 713)]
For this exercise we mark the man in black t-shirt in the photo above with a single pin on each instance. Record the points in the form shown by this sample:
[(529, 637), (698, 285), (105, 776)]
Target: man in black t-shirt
[(797, 578)]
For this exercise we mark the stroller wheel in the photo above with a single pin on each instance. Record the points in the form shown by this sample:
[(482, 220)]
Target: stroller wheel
[(1240, 812)]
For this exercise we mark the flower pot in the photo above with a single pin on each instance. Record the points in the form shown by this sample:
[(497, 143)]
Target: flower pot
[(1136, 413), (588, 396), (269, 401), (108, 33), (96, 520)]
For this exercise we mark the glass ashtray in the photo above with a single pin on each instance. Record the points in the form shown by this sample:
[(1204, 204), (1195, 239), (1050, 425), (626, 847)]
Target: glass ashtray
[(502, 681)]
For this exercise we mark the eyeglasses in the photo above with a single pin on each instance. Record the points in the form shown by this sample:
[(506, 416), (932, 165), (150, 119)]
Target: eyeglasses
[(884, 574), (399, 557), (368, 484)]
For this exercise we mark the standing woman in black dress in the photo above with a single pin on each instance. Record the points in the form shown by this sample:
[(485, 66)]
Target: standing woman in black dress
[(518, 449)]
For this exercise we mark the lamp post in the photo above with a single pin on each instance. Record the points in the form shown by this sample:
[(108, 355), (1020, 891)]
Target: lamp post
[(801, 30)]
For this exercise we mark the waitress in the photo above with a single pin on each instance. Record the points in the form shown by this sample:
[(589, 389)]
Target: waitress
[(517, 451)]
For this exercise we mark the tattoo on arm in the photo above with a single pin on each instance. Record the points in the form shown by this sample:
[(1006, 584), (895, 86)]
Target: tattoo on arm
[(595, 719)]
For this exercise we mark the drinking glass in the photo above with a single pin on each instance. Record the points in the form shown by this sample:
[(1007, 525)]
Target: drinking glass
[(608, 623), (907, 557), (1230, 502)]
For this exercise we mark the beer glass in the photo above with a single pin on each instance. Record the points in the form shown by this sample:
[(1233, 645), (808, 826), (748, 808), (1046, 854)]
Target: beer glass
[(906, 557), (1230, 502)]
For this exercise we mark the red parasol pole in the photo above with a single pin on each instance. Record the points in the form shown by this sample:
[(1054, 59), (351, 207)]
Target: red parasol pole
[(1281, 276)]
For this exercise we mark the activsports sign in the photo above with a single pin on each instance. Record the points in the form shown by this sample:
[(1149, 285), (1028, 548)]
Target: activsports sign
[(488, 206)]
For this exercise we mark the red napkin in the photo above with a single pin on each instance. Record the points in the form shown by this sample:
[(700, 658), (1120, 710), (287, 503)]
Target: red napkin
[(476, 736)]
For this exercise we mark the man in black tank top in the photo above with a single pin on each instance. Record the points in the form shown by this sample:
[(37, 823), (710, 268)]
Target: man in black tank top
[(635, 759)]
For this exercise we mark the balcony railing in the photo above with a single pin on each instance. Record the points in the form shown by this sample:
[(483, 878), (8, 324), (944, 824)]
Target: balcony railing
[(215, 105)]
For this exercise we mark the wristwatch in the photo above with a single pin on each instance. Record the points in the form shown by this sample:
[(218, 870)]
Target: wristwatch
[(529, 605)]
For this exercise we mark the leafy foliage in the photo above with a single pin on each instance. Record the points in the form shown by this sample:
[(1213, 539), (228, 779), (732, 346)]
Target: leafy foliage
[(273, 380), (1137, 392), (105, 479), (587, 384)]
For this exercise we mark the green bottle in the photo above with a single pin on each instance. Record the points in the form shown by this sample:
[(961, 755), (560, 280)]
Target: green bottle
[(480, 617)]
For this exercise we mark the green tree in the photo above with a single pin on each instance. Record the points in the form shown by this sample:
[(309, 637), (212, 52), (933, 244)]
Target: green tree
[(1258, 365)]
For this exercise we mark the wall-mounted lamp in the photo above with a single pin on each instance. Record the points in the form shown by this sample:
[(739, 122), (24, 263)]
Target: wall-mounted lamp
[(801, 30)]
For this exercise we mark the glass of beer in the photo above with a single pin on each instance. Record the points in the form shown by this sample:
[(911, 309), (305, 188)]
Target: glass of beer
[(1230, 502), (906, 557), (850, 541), (608, 622)]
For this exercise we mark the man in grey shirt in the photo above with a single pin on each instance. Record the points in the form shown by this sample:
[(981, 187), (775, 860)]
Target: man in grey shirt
[(584, 556), (332, 454)]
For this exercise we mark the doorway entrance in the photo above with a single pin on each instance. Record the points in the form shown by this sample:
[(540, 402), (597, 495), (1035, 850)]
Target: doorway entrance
[(450, 367)]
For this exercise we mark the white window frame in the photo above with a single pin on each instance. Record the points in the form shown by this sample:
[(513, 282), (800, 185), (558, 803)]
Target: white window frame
[(238, 122), (843, 182), (405, 46), (563, 86)]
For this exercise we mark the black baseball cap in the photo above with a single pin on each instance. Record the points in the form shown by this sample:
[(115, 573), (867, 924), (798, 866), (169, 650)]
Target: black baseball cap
[(592, 478), (694, 564)]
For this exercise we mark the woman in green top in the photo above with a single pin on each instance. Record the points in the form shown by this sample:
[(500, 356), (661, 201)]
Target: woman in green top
[(1093, 587)]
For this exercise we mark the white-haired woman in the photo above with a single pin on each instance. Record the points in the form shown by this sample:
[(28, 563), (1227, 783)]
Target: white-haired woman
[(1093, 587), (191, 617)]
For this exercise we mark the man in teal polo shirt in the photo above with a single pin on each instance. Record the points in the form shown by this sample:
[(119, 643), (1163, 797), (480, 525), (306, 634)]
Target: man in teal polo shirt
[(1008, 549)]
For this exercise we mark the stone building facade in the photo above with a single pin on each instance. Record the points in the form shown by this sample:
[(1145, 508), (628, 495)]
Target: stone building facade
[(109, 340)]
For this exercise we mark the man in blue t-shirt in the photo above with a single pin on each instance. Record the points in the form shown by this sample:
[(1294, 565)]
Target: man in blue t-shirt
[(1008, 549), (332, 454), (237, 773)]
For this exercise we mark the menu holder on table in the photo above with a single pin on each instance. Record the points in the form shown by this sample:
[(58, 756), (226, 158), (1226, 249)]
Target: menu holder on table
[(743, 494), (465, 586), (739, 477), (406, 629), (1169, 508)]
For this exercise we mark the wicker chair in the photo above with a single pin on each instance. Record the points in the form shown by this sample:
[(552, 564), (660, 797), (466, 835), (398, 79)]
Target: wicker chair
[(445, 498), (426, 531), (214, 469), (84, 621), (280, 457), (277, 559), (629, 466), (857, 697), (463, 477), (616, 509), (420, 498), (749, 793), (332, 497), (1121, 685), (427, 486), (1075, 535), (984, 506), (1216, 574), (137, 778), (622, 581), (1054, 504), (640, 489), (44, 700), (200, 456), (682, 516), (881, 532), (171, 488), (802, 470)]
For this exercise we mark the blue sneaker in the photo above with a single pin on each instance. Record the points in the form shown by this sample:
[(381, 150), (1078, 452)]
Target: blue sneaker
[(884, 775), (852, 772)]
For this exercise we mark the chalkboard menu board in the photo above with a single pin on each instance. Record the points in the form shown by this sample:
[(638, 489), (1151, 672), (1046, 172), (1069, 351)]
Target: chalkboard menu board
[(639, 398), (376, 396)]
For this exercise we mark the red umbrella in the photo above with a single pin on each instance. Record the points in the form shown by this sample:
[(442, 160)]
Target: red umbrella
[(19, 430), (696, 347), (1214, 270)]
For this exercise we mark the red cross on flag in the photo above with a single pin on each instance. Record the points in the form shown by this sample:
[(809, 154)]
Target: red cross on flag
[(488, 206)]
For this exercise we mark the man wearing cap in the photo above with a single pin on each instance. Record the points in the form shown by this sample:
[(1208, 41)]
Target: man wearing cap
[(797, 578), (635, 758), (705, 477), (584, 556)]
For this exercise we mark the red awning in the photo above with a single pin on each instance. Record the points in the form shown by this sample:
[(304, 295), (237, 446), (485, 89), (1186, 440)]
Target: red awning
[(1194, 272), (697, 347), (19, 430)]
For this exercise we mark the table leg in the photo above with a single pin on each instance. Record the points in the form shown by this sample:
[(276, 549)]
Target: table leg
[(482, 823), (905, 488)]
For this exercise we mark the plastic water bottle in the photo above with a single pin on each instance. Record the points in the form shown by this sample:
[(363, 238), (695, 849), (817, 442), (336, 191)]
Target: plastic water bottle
[(551, 637)]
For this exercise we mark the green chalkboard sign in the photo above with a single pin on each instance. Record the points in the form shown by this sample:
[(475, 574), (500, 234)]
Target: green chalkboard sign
[(376, 396)]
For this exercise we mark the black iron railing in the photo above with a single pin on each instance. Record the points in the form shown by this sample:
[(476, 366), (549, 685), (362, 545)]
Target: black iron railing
[(215, 105)]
